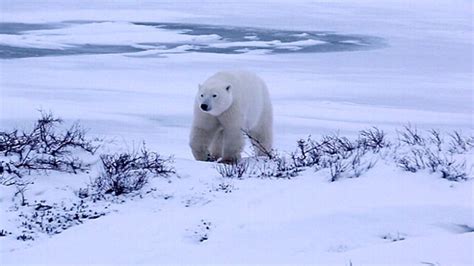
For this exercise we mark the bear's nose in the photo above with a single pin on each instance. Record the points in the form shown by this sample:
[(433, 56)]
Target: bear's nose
[(204, 107)]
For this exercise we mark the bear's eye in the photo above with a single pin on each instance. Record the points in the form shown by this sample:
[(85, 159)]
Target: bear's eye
[(202, 95), (214, 95)]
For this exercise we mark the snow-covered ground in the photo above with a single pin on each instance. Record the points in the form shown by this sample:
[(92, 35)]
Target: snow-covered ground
[(416, 68)]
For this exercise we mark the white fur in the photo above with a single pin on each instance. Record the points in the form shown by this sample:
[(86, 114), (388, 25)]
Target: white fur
[(237, 100)]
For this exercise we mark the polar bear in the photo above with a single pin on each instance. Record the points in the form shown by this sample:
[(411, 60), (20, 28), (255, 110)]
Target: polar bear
[(228, 104)]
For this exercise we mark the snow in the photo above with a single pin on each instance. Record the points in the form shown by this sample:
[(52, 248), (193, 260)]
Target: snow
[(311, 221), (423, 77)]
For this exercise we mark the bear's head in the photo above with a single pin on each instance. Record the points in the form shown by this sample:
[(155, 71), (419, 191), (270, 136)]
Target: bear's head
[(214, 98)]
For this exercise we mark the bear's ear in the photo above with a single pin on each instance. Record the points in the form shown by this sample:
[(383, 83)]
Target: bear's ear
[(200, 86), (228, 88)]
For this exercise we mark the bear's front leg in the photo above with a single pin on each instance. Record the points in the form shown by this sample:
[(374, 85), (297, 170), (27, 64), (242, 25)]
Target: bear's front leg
[(199, 141), (232, 145)]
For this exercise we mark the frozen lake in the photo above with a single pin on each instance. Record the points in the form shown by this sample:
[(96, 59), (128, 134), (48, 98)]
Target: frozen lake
[(223, 40)]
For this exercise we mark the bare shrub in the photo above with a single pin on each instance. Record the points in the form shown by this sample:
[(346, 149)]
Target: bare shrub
[(307, 153), (436, 138), (273, 165), (336, 145), (233, 170), (359, 164), (340, 155), (285, 168), (21, 188), (434, 154), (373, 138), (279, 166), (351, 167), (44, 148), (345, 158), (459, 143), (409, 135), (413, 161), (454, 171), (127, 172), (337, 167), (258, 145)]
